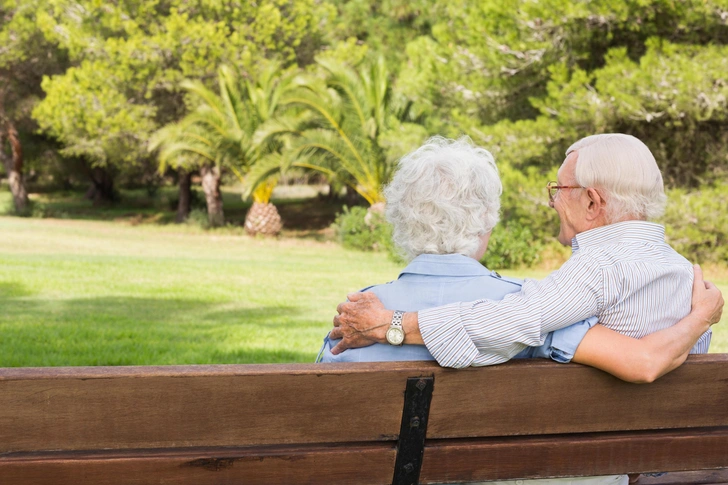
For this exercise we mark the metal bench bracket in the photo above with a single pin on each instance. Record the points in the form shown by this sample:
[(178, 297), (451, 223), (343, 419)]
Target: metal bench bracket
[(413, 430)]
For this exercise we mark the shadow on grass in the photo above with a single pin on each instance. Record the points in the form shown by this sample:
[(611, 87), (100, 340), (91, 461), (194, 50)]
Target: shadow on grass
[(11, 289), (148, 331), (304, 217)]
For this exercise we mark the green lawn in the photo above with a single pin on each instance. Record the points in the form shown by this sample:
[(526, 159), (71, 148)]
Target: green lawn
[(77, 292), (104, 293)]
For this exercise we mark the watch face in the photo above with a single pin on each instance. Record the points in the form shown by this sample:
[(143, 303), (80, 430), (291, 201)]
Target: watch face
[(395, 336)]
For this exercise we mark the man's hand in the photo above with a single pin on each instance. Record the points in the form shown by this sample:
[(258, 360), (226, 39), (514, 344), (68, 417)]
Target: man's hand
[(707, 298), (361, 321)]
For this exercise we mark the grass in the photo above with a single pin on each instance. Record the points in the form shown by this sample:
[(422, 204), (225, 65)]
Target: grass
[(116, 292), (103, 293)]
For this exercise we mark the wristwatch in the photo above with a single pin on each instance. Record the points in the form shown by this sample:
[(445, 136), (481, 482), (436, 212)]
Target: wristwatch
[(395, 333)]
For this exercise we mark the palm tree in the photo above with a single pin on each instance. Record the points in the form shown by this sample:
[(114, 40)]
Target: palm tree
[(354, 109), (188, 147), (221, 134)]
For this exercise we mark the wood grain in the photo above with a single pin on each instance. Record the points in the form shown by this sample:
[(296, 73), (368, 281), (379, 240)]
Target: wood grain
[(703, 477), (192, 406), (542, 397), (372, 463), (574, 455), (355, 464)]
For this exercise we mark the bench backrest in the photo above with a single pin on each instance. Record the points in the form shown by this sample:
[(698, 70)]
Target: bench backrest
[(291, 424)]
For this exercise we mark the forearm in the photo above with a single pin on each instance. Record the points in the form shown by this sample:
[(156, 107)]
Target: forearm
[(669, 348), (411, 326), (641, 360)]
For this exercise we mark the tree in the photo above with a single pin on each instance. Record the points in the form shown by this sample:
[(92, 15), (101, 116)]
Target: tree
[(675, 98), (25, 56), (85, 111), (136, 53), (484, 62), (188, 147), (362, 125), (233, 129)]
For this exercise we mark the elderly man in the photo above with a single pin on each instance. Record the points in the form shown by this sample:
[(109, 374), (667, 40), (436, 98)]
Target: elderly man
[(621, 271)]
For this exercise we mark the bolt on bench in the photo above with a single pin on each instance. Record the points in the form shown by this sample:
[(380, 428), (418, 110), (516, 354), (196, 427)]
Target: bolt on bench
[(373, 423)]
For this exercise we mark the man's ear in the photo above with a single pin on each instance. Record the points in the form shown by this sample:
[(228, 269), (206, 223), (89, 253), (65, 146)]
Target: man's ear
[(596, 204)]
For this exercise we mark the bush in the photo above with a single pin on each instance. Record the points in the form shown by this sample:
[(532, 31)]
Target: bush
[(198, 218), (356, 230), (696, 223), (512, 245)]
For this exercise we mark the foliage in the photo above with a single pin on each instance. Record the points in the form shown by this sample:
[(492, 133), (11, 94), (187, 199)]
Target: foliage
[(358, 228), (136, 54), (361, 25), (241, 128), (92, 119), (512, 246), (198, 218), (674, 98), (696, 223), (525, 79), (484, 61), (358, 116)]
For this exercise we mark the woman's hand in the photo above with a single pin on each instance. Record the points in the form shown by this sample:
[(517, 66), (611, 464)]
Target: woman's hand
[(707, 299)]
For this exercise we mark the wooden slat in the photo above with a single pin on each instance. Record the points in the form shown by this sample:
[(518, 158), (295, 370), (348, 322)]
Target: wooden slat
[(574, 455), (372, 463), (702, 477), (164, 407), (542, 397), (142, 407), (354, 464)]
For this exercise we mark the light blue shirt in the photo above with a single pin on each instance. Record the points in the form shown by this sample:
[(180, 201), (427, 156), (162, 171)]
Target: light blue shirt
[(432, 280)]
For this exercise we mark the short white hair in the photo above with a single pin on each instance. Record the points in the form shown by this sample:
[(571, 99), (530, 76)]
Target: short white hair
[(626, 170), (444, 196)]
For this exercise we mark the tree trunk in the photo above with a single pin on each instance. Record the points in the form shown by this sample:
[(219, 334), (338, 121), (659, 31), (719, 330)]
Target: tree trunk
[(185, 195), (263, 218), (353, 197), (14, 169), (102, 189), (211, 186)]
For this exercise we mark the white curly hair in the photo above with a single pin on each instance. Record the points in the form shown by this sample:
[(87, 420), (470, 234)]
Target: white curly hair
[(444, 196)]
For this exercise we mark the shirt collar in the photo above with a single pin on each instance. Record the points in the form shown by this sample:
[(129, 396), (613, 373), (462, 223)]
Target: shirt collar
[(620, 232), (445, 265)]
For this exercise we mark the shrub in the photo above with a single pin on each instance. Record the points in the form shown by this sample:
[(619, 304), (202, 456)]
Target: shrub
[(356, 230), (696, 223), (198, 218), (512, 245)]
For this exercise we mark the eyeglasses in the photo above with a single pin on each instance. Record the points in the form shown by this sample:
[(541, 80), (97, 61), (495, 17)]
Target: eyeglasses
[(554, 187)]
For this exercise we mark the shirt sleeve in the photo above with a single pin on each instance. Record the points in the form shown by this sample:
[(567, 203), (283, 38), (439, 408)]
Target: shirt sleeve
[(560, 345), (486, 332), (703, 343)]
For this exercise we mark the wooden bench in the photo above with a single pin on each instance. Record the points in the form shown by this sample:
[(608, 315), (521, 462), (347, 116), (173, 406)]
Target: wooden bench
[(358, 424)]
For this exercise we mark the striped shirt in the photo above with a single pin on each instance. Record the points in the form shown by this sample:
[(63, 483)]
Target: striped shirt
[(432, 280), (623, 273)]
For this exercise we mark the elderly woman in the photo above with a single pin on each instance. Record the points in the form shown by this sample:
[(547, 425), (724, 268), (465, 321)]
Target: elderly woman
[(443, 204)]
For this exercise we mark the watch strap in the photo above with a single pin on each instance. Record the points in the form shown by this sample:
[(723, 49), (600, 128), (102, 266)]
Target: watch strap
[(397, 317)]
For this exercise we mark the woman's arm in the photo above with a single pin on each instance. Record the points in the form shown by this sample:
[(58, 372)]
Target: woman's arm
[(644, 360)]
